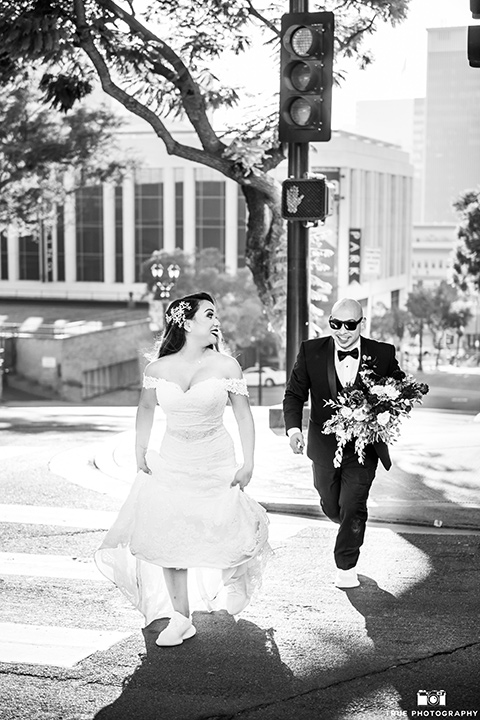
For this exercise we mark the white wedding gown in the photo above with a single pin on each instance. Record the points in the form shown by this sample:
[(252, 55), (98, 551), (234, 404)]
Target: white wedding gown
[(186, 514)]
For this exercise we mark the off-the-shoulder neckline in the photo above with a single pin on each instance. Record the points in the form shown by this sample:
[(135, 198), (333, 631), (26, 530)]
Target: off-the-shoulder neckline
[(171, 382)]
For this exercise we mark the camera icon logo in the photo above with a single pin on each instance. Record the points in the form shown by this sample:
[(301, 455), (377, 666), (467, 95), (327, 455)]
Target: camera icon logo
[(432, 698)]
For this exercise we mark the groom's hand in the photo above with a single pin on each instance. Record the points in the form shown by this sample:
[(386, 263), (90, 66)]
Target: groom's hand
[(297, 443)]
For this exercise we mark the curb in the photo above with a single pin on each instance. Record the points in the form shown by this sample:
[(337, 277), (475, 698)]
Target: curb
[(309, 511)]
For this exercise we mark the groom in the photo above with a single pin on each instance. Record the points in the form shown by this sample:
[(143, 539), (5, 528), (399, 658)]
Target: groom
[(322, 368)]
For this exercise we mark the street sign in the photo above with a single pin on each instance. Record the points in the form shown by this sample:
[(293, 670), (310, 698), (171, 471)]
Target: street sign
[(371, 264)]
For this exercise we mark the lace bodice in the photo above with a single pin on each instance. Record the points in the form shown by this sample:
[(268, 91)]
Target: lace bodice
[(195, 413), (233, 385)]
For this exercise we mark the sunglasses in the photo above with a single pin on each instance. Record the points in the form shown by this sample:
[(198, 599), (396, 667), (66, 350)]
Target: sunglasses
[(349, 324)]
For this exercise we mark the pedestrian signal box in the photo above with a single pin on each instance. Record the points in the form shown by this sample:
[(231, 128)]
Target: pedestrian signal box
[(307, 200)]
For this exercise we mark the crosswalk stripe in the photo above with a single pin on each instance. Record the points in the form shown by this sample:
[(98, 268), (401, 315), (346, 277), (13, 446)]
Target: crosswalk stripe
[(59, 516), (51, 566), (52, 645)]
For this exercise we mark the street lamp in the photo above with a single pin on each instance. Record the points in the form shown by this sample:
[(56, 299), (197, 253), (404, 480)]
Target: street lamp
[(164, 274), (165, 279)]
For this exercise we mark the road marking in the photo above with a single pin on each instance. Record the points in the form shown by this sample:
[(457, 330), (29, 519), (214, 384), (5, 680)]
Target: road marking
[(52, 645), (59, 516), (51, 566), (76, 467)]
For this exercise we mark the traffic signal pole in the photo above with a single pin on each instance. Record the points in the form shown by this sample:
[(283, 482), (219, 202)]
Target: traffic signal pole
[(297, 250), (297, 265), (306, 78)]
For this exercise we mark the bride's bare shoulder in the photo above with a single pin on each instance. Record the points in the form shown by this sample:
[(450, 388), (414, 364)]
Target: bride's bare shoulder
[(156, 368), (228, 366)]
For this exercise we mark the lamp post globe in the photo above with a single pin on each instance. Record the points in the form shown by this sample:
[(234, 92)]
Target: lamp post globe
[(164, 276)]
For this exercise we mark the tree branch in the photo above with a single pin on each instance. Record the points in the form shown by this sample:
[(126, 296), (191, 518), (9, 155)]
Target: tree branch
[(255, 13), (192, 99)]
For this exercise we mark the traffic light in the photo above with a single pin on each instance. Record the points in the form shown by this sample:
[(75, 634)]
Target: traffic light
[(473, 36), (306, 66), (473, 46), (307, 200)]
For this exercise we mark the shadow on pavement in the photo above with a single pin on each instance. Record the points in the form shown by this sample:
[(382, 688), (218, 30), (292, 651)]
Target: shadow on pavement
[(227, 666), (427, 637)]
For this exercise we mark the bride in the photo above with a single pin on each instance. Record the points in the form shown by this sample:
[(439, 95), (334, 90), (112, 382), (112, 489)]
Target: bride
[(187, 509)]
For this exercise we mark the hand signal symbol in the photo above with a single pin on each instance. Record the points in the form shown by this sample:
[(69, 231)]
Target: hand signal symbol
[(294, 199)]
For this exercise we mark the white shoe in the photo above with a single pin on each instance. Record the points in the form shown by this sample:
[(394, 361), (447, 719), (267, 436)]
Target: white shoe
[(237, 598), (347, 578), (179, 628)]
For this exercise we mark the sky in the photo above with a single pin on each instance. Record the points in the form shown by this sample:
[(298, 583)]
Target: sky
[(399, 69)]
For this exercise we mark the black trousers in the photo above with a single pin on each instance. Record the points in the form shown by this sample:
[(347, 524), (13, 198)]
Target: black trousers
[(343, 498)]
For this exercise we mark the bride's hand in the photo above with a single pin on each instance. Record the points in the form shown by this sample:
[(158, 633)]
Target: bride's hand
[(143, 467), (242, 477)]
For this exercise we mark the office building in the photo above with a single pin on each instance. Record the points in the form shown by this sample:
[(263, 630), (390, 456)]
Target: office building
[(452, 124), (104, 233)]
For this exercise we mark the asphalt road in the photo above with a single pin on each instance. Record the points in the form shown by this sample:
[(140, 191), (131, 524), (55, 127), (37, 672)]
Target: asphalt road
[(71, 648)]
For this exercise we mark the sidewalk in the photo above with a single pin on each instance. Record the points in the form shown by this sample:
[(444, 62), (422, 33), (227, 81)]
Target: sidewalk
[(434, 480)]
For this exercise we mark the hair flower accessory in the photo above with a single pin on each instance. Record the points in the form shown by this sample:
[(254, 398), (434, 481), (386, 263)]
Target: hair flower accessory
[(177, 314), (372, 409)]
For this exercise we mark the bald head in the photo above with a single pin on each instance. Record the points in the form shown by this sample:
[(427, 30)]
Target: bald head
[(347, 308)]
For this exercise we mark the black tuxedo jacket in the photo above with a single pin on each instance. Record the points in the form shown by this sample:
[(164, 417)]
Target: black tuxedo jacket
[(314, 373)]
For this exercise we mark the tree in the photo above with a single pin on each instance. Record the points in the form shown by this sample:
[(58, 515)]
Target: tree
[(420, 308), (466, 266), (439, 309), (242, 315), (449, 312), (37, 144), (389, 324), (155, 59)]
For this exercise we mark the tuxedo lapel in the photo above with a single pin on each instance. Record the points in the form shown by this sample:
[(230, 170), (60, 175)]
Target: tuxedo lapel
[(331, 374), (363, 352)]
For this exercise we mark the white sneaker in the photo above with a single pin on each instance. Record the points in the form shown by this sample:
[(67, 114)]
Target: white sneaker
[(347, 578), (179, 628)]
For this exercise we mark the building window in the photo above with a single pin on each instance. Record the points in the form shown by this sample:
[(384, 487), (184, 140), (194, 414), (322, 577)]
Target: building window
[(89, 231), (148, 216), (3, 256), (210, 215), (118, 234), (29, 257), (179, 215)]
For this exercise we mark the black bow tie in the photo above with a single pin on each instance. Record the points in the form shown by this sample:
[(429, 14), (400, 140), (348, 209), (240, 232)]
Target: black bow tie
[(342, 354)]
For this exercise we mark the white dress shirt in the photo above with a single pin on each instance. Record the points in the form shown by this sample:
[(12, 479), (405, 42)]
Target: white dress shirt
[(347, 369)]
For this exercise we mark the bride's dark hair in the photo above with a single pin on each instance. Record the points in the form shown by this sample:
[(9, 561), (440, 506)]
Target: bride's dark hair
[(174, 335)]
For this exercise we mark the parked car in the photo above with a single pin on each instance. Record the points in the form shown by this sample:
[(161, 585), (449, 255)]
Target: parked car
[(270, 376)]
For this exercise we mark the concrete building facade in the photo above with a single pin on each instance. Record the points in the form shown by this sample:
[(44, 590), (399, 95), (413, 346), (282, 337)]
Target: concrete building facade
[(452, 124), (102, 234)]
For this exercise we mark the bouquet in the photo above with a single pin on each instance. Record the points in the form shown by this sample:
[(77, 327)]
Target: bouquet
[(372, 409)]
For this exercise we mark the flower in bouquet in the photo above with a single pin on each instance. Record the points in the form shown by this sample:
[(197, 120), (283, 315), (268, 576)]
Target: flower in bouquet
[(372, 409)]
